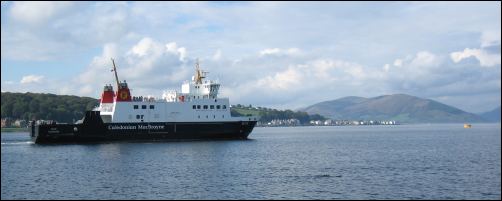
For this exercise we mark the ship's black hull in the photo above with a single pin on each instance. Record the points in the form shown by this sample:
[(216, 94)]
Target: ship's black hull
[(94, 130)]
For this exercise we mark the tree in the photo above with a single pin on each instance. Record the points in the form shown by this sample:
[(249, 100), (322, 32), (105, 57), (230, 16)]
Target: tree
[(6, 110), (18, 110), (30, 106), (34, 105)]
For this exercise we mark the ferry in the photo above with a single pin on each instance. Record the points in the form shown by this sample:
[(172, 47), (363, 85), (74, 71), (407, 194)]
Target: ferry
[(194, 113)]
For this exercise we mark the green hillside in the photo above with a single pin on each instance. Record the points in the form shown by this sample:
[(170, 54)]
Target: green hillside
[(61, 108), (268, 114)]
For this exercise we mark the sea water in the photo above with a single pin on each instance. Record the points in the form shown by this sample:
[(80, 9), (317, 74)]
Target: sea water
[(423, 161)]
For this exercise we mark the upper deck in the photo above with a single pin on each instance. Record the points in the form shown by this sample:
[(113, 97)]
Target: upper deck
[(198, 101)]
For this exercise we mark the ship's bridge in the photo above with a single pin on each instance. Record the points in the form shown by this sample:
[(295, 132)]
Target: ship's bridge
[(197, 88), (206, 89)]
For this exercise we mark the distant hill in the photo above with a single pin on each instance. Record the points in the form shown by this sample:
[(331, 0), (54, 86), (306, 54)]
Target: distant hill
[(61, 108), (492, 115), (399, 107)]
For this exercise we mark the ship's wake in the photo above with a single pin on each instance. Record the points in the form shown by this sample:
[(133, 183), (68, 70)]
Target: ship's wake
[(16, 143)]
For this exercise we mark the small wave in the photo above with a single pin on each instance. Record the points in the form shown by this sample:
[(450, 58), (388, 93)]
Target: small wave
[(322, 175)]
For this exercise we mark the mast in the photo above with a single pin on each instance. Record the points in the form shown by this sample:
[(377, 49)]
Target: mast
[(116, 76), (199, 74)]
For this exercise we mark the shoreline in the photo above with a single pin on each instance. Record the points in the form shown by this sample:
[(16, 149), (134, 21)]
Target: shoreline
[(6, 130)]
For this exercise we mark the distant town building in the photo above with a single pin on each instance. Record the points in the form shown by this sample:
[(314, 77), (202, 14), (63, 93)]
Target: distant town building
[(9, 122), (328, 122), (20, 123), (6, 122)]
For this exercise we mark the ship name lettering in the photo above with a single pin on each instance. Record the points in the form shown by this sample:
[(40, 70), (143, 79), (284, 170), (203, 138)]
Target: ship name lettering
[(121, 127), (155, 127)]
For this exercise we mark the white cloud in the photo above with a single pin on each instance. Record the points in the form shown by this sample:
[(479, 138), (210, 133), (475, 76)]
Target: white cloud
[(40, 31), (37, 12), (279, 52), (485, 58), (217, 55), (29, 79), (300, 81), (429, 75), (386, 67), (173, 48), (155, 44), (109, 21), (142, 48), (287, 80), (398, 62), (293, 51), (283, 82), (148, 66), (490, 38), (269, 51), (99, 66), (425, 59)]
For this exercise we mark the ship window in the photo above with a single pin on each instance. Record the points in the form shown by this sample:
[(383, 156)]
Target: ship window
[(205, 107), (152, 106), (214, 116), (199, 116), (198, 107), (207, 116), (224, 106), (222, 116), (143, 107), (137, 116), (194, 106), (135, 106), (211, 107), (218, 107), (215, 100), (142, 116)]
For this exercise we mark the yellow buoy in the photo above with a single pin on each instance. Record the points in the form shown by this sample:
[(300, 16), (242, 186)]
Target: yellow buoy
[(467, 125)]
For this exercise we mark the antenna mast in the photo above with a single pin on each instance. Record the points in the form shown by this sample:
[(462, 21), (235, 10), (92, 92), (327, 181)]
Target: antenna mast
[(198, 73)]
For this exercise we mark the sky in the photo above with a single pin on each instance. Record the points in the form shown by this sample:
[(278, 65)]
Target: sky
[(284, 55)]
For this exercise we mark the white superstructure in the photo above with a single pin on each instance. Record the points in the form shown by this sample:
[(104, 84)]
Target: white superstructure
[(198, 101)]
